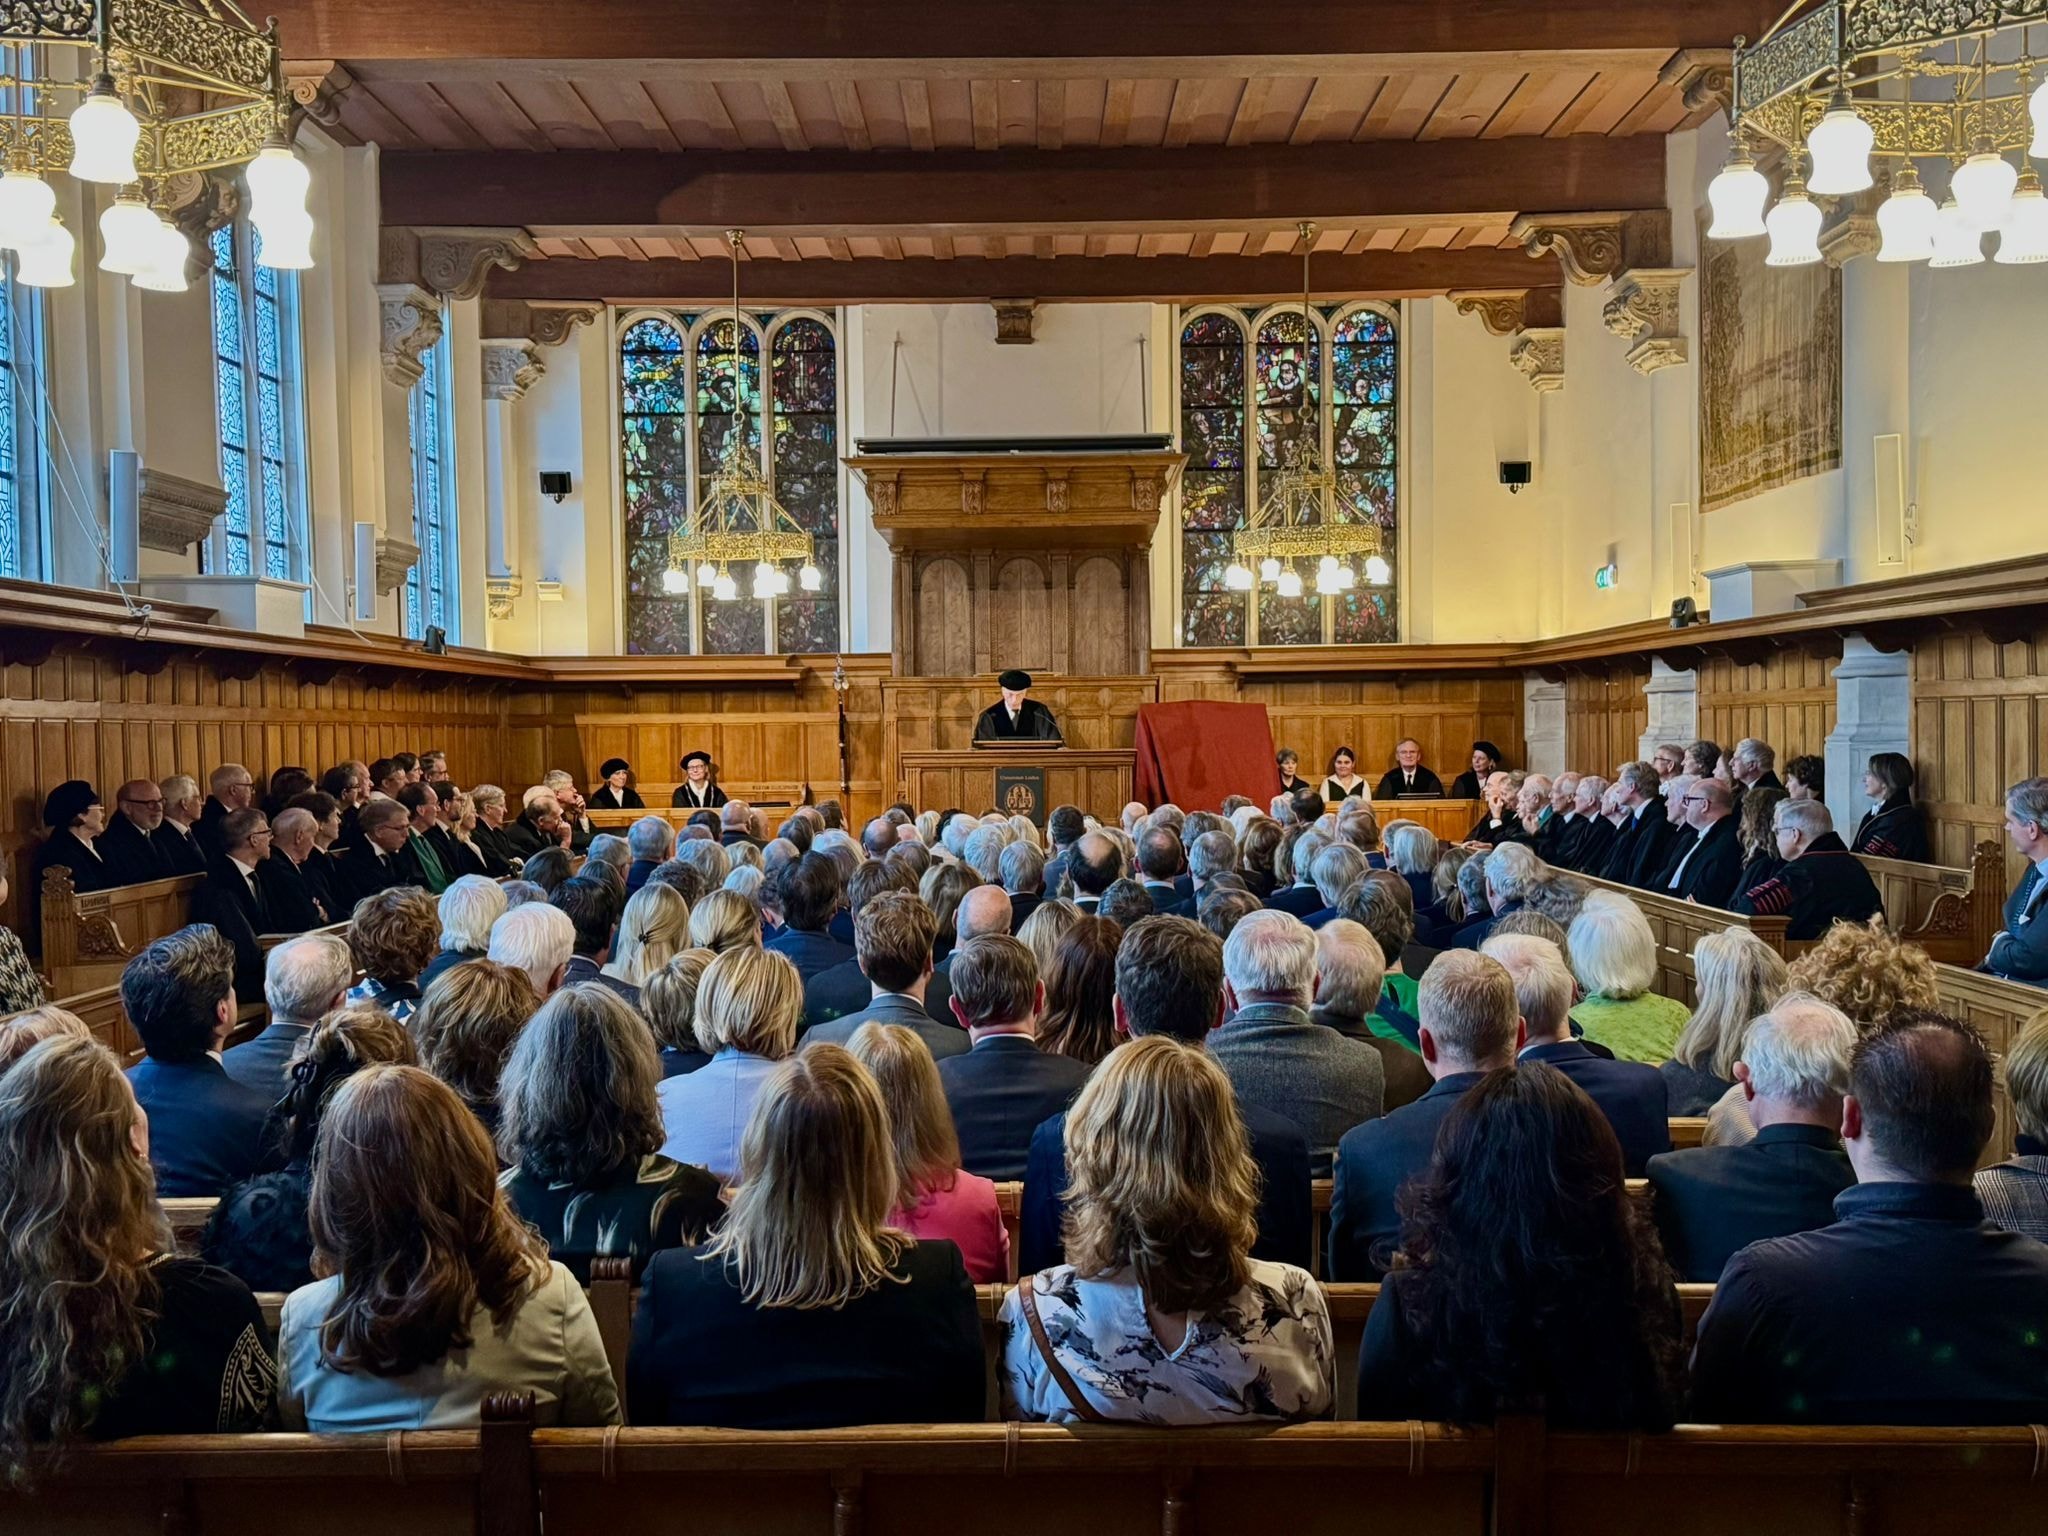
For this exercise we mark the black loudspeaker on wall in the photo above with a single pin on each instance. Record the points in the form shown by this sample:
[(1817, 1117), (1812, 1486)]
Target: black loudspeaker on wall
[(435, 641), (554, 483), (1514, 474)]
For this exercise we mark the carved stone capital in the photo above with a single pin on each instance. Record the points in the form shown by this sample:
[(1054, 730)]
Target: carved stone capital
[(177, 513), (1852, 231), (1654, 352), (1594, 247), (1538, 356), (1643, 310), (394, 558), (1014, 319), (201, 202), (410, 325), (1705, 78), (512, 366), (500, 593), (548, 325), (317, 86), (448, 261), (1499, 309)]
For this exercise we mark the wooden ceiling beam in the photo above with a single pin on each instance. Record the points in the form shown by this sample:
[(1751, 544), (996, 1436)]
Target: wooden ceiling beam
[(629, 191), (1373, 274)]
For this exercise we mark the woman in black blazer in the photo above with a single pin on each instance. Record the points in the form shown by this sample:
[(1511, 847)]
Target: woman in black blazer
[(1892, 828), (805, 1311), (616, 792), (1471, 784)]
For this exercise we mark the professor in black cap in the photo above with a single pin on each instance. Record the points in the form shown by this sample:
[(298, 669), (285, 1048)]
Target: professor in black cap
[(700, 784), (1017, 718)]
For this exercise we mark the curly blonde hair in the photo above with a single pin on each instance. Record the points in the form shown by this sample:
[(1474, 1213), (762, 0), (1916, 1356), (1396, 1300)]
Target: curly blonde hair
[(1867, 971), (395, 934)]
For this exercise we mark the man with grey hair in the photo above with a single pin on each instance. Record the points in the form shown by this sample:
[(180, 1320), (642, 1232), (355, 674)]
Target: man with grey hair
[(652, 842), (1510, 871), (1822, 883), (290, 899), (1706, 871), (1276, 1056), (1336, 869), (711, 860), (1022, 868), (1711, 1202), (610, 848), (538, 938), (1588, 851), (1644, 842), (570, 799), (1351, 978), (1752, 762), (1630, 1094), (1302, 899), (182, 805), (1211, 856), (982, 852), (304, 980), (2020, 949)]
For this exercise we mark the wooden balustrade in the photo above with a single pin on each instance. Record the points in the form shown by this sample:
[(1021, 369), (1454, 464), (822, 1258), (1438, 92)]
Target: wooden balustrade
[(89, 936)]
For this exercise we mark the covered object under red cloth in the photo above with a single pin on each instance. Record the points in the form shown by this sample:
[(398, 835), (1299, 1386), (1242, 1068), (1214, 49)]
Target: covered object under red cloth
[(1196, 753)]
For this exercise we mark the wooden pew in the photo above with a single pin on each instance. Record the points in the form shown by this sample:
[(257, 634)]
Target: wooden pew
[(89, 936), (1950, 913), (1999, 1009), (1679, 925)]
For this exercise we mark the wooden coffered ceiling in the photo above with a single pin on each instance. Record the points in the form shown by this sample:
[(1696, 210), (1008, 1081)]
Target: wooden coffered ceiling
[(1050, 147)]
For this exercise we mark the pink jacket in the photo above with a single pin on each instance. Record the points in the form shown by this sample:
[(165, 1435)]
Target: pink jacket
[(966, 1215)]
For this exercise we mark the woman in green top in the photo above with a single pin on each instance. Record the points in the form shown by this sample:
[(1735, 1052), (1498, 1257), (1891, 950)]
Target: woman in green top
[(1614, 956)]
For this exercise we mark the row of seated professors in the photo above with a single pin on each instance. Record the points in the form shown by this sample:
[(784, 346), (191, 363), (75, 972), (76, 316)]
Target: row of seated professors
[(460, 1106)]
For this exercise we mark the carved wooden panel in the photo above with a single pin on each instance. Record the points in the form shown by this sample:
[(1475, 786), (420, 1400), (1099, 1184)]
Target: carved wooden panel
[(1098, 782), (1101, 625), (1980, 725), (1370, 715), (1787, 700), (944, 620), (1605, 715), (1020, 615)]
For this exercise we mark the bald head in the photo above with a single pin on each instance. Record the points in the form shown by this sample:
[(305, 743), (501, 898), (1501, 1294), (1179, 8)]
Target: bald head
[(983, 910), (1709, 801), (1097, 864), (141, 802)]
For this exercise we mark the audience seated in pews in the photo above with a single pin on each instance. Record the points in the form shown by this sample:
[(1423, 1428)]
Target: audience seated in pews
[(304, 980), (668, 1001), (231, 788), (893, 933), (466, 1025), (1510, 870), (467, 909), (259, 1232), (1003, 1086), (2015, 1192), (1910, 1308), (1079, 1019), (2020, 949), (182, 806), (592, 903), (810, 890), (231, 900), (20, 985), (288, 888), (1614, 959), (1736, 979), (749, 1002), (106, 1331), (1350, 994), (1820, 884), (537, 938), (133, 852), (1526, 1281), (1643, 839), (374, 864), (76, 818), (725, 920), (1711, 1202), (436, 1293), (806, 1310), (1756, 831), (1708, 860), (580, 1126)]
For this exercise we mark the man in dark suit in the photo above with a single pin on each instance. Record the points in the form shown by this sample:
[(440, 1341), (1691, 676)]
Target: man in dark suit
[(290, 898), (810, 893), (845, 988), (232, 901), (1511, 869), (1302, 899), (1910, 1308), (982, 911), (1711, 1202), (1630, 1094), (652, 842), (593, 907), (205, 1129), (304, 980), (1350, 995), (1706, 871), (2020, 951), (1644, 842), (1469, 1027), (182, 804), (374, 865), (1023, 870), (1160, 863), (1593, 837), (129, 844), (1017, 717), (1003, 1087), (1821, 883), (1063, 828), (1169, 981), (892, 935), (1407, 776), (1752, 762), (233, 789), (736, 824), (1095, 864)]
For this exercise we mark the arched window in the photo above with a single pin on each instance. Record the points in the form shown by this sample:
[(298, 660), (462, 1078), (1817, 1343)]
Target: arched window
[(679, 413), (1252, 390), (429, 585), (261, 410), (22, 505)]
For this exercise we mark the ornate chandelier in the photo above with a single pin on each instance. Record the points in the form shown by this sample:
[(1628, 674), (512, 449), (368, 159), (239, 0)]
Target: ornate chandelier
[(1838, 82), (1300, 518), (738, 521), (131, 94)]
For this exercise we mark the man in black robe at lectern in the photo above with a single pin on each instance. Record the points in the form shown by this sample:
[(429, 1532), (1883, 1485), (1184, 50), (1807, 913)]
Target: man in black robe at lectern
[(1017, 718)]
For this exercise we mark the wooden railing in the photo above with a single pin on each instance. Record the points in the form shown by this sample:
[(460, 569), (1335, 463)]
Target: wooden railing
[(1950, 913), (89, 936)]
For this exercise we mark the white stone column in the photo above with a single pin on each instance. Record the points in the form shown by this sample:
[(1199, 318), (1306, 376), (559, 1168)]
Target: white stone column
[(1674, 699), (1873, 713), (1543, 724)]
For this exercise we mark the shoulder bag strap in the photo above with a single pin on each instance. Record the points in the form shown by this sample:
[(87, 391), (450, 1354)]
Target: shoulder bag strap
[(1080, 1404)]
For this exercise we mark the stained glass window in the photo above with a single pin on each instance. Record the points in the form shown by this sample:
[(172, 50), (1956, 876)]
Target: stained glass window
[(21, 418), (259, 409), (679, 413), (10, 487), (428, 597), (1253, 391)]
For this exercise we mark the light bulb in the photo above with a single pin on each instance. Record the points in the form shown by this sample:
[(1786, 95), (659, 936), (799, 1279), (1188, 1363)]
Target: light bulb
[(47, 263), (1737, 197), (1237, 578), (1290, 582), (2037, 108), (278, 183), (164, 272), (1327, 566), (705, 574), (1794, 226), (1982, 187), (286, 242), (2024, 239), (127, 234), (1906, 220), (1840, 146), (103, 137), (675, 582), (1269, 569), (1957, 242), (26, 203), (1378, 572), (810, 578), (725, 589)]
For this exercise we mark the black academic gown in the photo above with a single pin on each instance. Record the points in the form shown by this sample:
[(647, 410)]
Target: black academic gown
[(181, 848), (1394, 783), (1893, 831), (604, 798), (133, 856), (709, 798), (290, 903), (226, 901), (1034, 722)]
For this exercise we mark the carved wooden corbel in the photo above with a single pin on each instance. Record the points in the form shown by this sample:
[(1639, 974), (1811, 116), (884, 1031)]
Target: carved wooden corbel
[(547, 325), (1498, 309), (1014, 318), (317, 86), (452, 262), (394, 558), (1594, 248), (410, 325), (1705, 78), (1643, 311)]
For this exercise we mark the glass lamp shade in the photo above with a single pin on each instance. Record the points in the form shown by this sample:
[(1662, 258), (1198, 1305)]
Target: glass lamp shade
[(127, 234), (278, 183), (165, 270), (778, 583), (2037, 108), (1840, 146), (1327, 566), (1346, 579), (1794, 226), (286, 242), (1269, 569), (810, 578), (104, 134), (1290, 582), (1378, 572), (1327, 584), (47, 263), (1957, 242), (1906, 221), (2024, 239), (725, 589), (1238, 578), (26, 203), (706, 575), (675, 582), (1983, 187), (1737, 197)]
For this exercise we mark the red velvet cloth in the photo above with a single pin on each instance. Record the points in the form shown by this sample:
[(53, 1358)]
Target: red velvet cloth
[(1196, 753)]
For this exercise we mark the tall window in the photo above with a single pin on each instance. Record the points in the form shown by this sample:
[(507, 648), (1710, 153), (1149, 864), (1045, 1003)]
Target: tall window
[(261, 410), (430, 582), (22, 505), (1253, 386), (687, 385)]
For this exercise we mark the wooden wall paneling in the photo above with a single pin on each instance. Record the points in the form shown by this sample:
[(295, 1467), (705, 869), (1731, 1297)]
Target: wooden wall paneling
[(1606, 714), (1020, 615), (1980, 725), (1101, 611), (1788, 700), (1370, 715), (944, 619)]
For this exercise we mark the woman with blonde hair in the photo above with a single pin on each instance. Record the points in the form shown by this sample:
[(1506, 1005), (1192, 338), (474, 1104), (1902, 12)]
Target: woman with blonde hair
[(2015, 1192), (1736, 978), (22, 1032), (1161, 1316), (105, 1330), (1613, 955), (749, 1003), (725, 920), (668, 1001), (942, 888), (465, 1027), (1080, 992), (937, 1198), (653, 930), (1049, 922), (807, 1310), (437, 1294)]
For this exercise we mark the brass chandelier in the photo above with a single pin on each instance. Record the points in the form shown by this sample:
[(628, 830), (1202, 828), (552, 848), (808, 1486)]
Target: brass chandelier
[(132, 94), (737, 520), (1300, 519), (1838, 83)]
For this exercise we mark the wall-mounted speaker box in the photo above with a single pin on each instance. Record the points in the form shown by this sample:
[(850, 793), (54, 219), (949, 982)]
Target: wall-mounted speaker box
[(366, 572), (1888, 455)]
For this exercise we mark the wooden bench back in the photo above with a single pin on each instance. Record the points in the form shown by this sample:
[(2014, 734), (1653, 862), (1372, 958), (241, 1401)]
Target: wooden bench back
[(1679, 925), (89, 936), (1950, 913)]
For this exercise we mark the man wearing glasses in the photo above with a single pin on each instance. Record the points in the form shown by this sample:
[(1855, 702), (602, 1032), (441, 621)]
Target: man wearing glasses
[(232, 900), (1707, 871), (129, 845), (234, 789)]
